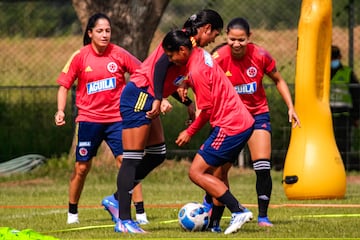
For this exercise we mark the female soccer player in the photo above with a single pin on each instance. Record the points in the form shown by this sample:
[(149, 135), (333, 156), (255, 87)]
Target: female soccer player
[(143, 138), (245, 64), (141, 102), (99, 68), (203, 28), (231, 122)]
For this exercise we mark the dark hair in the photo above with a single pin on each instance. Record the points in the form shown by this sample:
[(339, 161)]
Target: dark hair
[(175, 39), (91, 24), (335, 52), (239, 23), (200, 19)]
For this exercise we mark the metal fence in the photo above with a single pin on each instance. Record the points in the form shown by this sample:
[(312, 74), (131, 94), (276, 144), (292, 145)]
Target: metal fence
[(29, 66), (26, 117)]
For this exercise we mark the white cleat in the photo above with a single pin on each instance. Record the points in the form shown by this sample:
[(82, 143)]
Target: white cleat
[(72, 218), (237, 220), (141, 218)]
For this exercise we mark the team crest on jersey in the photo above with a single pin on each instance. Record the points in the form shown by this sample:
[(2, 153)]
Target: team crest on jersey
[(101, 85), (83, 151), (112, 67), (179, 80), (251, 72)]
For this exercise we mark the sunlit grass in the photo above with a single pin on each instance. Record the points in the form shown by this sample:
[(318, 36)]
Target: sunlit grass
[(38, 200)]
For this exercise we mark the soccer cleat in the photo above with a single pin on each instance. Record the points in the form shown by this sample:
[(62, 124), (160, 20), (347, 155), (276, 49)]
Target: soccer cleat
[(237, 220), (141, 218), (72, 218), (112, 206), (264, 222), (208, 206), (127, 226)]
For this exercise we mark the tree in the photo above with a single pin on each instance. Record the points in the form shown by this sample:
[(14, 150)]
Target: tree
[(134, 22)]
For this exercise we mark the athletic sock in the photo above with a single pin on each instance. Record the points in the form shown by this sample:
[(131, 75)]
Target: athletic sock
[(73, 208), (154, 156), (125, 181), (116, 196), (231, 202), (216, 214), (139, 207), (208, 198), (263, 184)]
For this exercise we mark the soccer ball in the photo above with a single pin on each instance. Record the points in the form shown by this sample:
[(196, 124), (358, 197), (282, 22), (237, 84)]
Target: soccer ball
[(193, 217)]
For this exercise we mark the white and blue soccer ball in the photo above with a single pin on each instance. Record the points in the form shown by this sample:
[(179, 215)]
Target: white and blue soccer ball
[(193, 217)]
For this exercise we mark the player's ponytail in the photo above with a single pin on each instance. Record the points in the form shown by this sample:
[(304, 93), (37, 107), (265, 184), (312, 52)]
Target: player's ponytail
[(91, 24), (190, 26)]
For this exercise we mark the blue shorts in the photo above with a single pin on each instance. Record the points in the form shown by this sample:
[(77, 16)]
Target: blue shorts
[(134, 103), (90, 135), (219, 148), (262, 121)]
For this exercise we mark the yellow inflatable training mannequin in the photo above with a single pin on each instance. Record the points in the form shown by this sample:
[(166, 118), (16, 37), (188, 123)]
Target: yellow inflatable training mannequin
[(313, 166)]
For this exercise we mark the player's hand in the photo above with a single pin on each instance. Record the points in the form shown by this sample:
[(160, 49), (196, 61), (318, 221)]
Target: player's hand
[(59, 118), (182, 91), (165, 106), (155, 110), (183, 138), (294, 118)]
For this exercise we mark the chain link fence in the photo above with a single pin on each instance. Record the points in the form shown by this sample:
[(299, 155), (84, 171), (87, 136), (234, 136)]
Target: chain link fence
[(31, 60)]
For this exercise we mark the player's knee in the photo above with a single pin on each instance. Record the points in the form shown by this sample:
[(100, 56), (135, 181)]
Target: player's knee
[(194, 175), (82, 168)]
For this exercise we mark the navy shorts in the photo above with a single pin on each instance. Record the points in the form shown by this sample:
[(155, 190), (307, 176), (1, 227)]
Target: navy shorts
[(262, 121), (134, 103), (220, 148), (90, 135)]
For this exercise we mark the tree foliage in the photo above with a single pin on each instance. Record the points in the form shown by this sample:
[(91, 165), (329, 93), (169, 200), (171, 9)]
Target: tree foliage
[(31, 19), (57, 17)]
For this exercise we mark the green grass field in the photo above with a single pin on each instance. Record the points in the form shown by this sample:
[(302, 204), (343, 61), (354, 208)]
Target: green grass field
[(38, 201)]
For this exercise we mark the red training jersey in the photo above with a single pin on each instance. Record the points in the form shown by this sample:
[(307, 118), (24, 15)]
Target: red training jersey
[(100, 81), (215, 95), (143, 77), (246, 74)]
